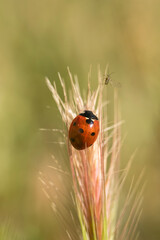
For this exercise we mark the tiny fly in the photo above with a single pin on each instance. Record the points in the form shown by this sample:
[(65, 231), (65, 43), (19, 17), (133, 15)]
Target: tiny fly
[(108, 80)]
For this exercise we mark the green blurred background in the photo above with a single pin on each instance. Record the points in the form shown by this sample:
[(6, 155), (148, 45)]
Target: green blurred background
[(40, 38)]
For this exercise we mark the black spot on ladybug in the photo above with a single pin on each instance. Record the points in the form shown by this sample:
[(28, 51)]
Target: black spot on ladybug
[(81, 130), (89, 114), (93, 133), (89, 121), (74, 124), (72, 139), (91, 145)]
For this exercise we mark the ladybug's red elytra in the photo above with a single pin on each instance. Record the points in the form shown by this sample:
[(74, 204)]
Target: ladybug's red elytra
[(84, 130)]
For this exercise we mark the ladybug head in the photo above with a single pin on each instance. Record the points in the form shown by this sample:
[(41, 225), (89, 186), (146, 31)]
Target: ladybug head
[(88, 114)]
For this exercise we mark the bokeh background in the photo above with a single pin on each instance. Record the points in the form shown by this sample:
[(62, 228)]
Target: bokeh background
[(41, 38)]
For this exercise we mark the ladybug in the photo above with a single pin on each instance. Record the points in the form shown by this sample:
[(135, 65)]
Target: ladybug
[(84, 130)]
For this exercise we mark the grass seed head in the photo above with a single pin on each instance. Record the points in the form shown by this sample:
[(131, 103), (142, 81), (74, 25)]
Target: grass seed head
[(96, 175)]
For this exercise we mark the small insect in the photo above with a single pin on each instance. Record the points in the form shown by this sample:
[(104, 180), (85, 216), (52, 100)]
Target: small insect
[(108, 80), (84, 130)]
